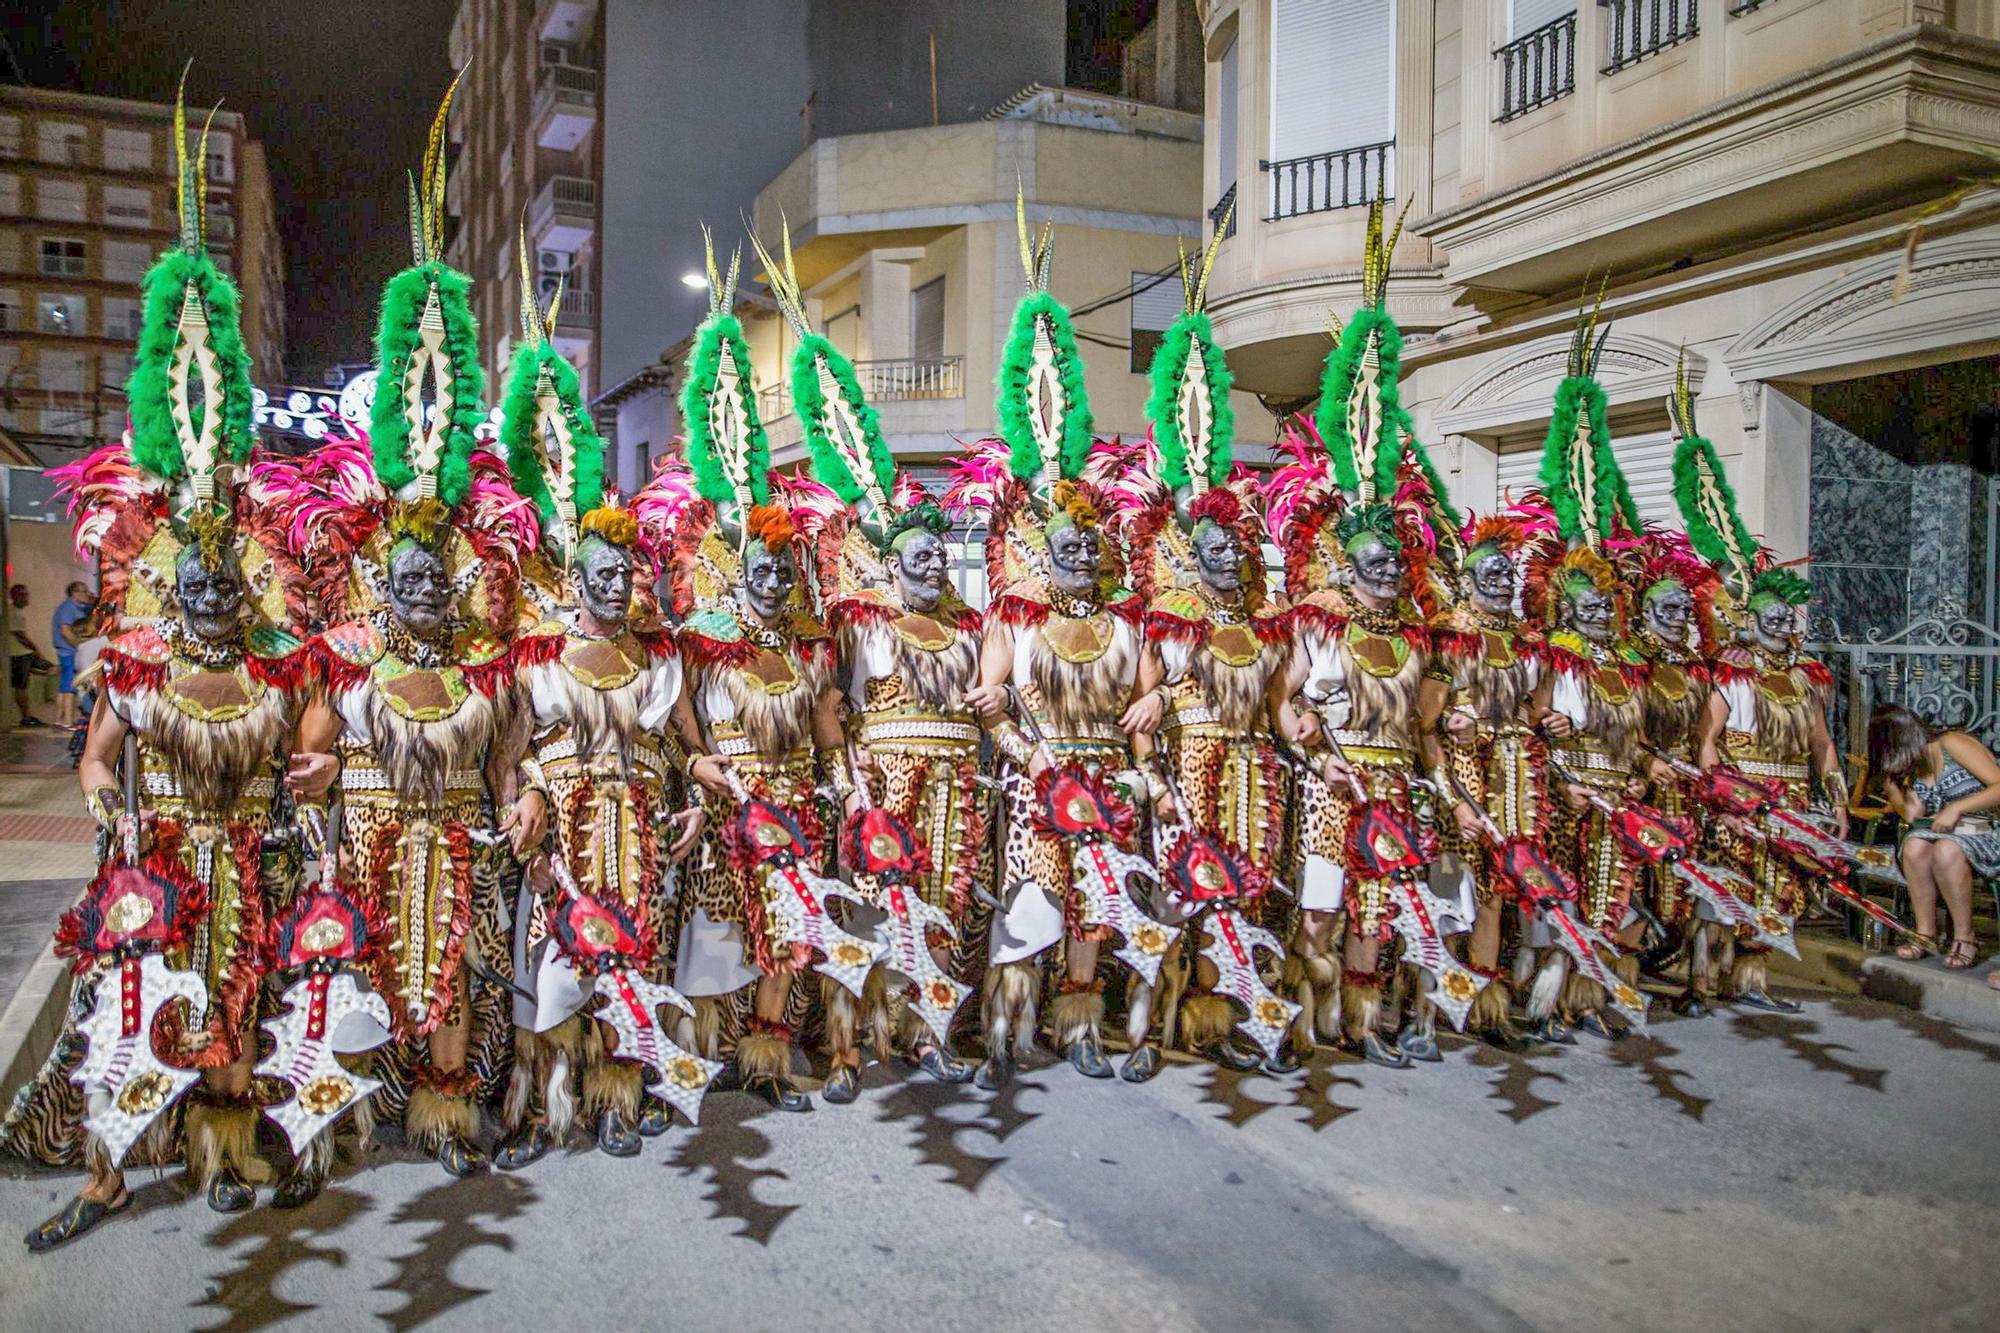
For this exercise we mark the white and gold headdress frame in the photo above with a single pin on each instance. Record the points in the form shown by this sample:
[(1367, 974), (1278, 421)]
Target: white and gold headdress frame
[(1194, 428), (1042, 406)]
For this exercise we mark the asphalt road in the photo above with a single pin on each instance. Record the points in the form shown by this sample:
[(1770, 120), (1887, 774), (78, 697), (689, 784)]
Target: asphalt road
[(1833, 1170)]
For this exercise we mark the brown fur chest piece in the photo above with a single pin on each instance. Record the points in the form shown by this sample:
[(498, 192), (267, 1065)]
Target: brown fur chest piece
[(1079, 641), (771, 671), (1608, 683), (1496, 647), (1234, 645), (1669, 681), (214, 696), (420, 694), (603, 664), (1781, 688), (923, 632), (1377, 654)]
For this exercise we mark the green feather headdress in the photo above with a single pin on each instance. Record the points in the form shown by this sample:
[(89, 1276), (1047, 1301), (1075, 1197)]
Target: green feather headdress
[(428, 398), (1194, 427), (726, 444), (189, 392), (1580, 474), (1715, 528), (842, 433), (1043, 409), (553, 449), (1361, 418)]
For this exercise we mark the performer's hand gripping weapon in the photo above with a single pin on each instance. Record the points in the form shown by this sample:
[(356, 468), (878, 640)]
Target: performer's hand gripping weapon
[(133, 912), (886, 857), (1524, 870), (764, 835), (1073, 806), (609, 950), (326, 938)]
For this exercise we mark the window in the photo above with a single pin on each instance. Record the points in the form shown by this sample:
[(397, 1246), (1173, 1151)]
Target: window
[(1226, 91), (60, 201), (1647, 459), (844, 331), (221, 159), (10, 136), (127, 207), (62, 258), (1156, 304), (1334, 63), (126, 261), (10, 195), (128, 150), (117, 369), (10, 311), (61, 312), (927, 321), (121, 317), (507, 164), (62, 141)]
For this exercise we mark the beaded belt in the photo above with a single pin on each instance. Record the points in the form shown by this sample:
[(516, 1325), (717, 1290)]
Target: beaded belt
[(1195, 715), (375, 779), (740, 747), (919, 729), (1592, 764), (646, 756), (155, 783), (1760, 768)]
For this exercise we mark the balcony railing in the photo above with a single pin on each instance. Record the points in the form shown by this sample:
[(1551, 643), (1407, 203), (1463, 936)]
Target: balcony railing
[(570, 83), (903, 379), (1641, 28), (1324, 182), (1538, 67), (1224, 207), (1746, 6), (578, 309)]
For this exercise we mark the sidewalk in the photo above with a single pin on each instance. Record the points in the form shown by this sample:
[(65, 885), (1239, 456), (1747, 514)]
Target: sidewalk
[(46, 856), (1828, 958)]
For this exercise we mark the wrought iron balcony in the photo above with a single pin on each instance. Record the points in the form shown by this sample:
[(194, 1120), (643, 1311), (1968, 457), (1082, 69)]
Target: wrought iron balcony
[(1641, 28), (1325, 182), (1224, 206), (1537, 68)]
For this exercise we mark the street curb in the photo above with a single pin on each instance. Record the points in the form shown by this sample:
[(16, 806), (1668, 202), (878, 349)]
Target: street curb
[(32, 1021), (1840, 964)]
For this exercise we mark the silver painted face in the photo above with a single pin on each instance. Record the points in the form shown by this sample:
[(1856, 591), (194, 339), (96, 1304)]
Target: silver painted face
[(1378, 570), (1218, 554), (603, 579), (920, 566), (211, 600), (768, 579), (419, 588), (1591, 614), (1669, 611), (1074, 556), (1493, 582), (1774, 625)]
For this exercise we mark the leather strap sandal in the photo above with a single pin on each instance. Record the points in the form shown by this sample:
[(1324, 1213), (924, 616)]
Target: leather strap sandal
[(78, 1216)]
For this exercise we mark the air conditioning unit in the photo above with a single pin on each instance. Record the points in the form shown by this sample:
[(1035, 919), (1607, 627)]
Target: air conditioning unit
[(554, 53), (546, 284), (555, 261)]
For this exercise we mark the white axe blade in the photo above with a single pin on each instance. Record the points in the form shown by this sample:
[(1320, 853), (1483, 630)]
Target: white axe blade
[(125, 1086)]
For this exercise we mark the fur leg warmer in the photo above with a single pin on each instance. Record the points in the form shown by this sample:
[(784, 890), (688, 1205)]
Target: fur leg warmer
[(1205, 1020), (1491, 1009), (1360, 1004), (221, 1134), (434, 1117), (1074, 1015), (1007, 1009)]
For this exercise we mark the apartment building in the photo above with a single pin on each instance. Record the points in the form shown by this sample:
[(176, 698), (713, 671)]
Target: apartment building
[(86, 204), (1743, 174)]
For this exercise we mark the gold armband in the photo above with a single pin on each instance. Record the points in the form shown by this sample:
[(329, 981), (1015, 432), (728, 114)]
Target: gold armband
[(1012, 745), (105, 804)]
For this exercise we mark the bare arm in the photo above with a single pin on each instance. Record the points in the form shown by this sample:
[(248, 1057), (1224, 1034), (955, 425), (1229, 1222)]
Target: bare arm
[(313, 768), (709, 770), (996, 668), (1714, 717), (1139, 721), (1977, 760), (102, 745)]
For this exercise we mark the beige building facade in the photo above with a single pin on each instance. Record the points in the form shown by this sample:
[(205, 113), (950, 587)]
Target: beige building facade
[(1742, 174), (86, 205)]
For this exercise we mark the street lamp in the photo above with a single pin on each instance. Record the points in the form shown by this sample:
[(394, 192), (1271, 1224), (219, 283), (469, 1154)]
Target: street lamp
[(694, 280)]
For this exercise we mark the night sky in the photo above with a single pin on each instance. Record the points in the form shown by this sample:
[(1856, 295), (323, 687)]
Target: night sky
[(341, 93)]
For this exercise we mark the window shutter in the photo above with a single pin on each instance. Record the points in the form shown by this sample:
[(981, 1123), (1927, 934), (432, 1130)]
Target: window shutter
[(1335, 68), (1156, 303), (1647, 461), (1524, 16), (927, 321), (1225, 134)]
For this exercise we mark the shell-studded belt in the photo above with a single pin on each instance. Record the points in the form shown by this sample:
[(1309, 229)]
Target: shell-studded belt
[(742, 747), (357, 779), (1593, 765), (1762, 768), (1366, 747), (916, 730), (155, 783), (642, 754)]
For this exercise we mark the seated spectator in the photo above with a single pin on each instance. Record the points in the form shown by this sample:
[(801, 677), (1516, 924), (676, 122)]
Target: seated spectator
[(1945, 784)]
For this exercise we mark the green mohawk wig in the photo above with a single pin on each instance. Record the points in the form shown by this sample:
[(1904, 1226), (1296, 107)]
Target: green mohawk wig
[(1193, 424), (1042, 407), (553, 449), (427, 340), (842, 433), (1361, 417), (726, 444), (1580, 475), (189, 393)]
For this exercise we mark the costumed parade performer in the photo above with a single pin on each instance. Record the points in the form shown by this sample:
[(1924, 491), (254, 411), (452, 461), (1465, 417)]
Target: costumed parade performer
[(908, 660), (596, 680), (414, 543), (1058, 672)]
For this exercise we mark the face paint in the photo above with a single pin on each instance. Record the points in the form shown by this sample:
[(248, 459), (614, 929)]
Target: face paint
[(1669, 611), (1378, 570), (768, 579), (603, 577), (210, 599), (419, 588), (1074, 555), (1774, 624), (920, 568), (1591, 613), (1493, 582), (1218, 554)]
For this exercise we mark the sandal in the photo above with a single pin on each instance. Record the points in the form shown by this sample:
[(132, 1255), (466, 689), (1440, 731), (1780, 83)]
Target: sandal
[(78, 1216), (1962, 955), (1911, 953)]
